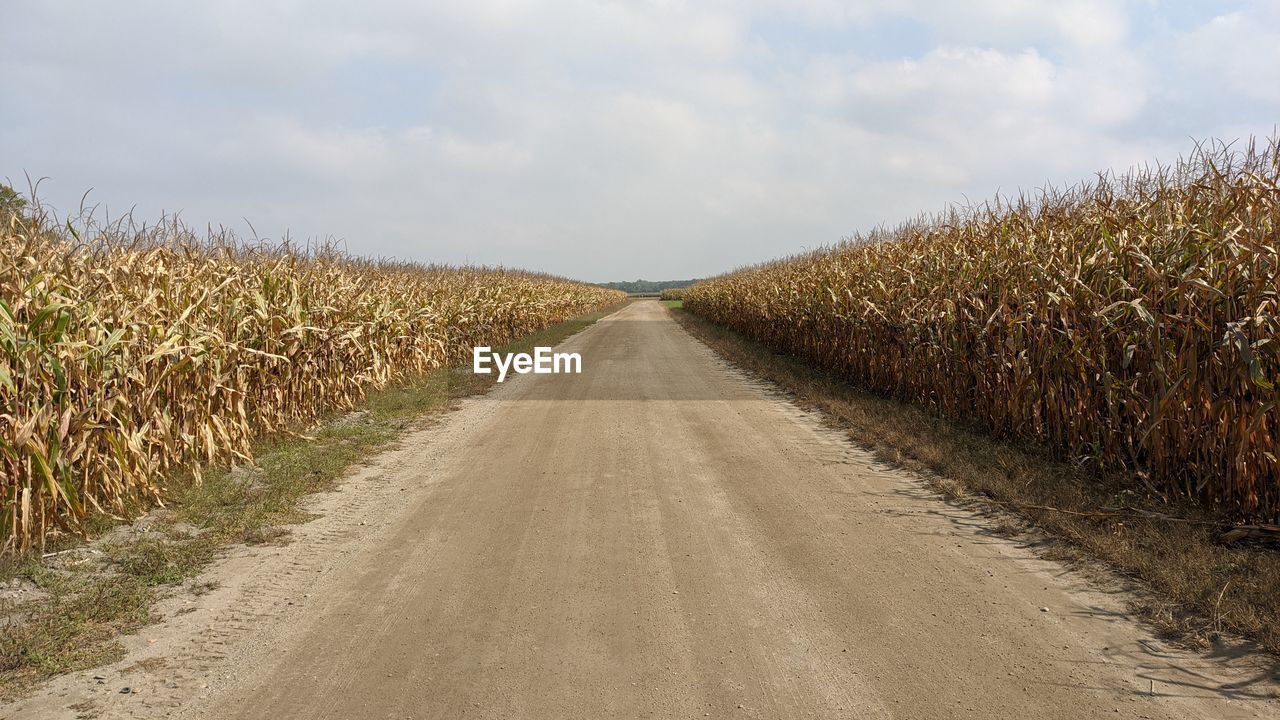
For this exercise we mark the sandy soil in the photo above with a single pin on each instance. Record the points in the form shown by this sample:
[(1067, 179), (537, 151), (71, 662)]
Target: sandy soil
[(657, 537)]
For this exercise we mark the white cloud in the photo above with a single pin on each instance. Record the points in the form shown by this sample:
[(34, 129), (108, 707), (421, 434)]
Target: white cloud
[(658, 139), (1237, 53)]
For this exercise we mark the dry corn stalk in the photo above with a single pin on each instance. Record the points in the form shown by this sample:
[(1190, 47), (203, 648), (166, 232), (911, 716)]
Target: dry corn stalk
[(1131, 321), (134, 353)]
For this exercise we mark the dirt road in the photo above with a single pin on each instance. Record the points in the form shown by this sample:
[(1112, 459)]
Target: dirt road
[(657, 537)]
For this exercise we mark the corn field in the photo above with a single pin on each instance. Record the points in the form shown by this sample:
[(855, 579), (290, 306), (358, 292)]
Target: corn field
[(130, 354), (1130, 322)]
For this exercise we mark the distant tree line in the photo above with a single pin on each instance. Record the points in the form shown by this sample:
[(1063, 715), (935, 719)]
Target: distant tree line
[(11, 203), (648, 286)]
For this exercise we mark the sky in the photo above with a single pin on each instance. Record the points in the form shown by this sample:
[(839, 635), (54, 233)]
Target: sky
[(608, 141)]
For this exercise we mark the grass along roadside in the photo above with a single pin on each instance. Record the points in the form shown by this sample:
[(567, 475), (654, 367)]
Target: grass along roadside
[(63, 611), (1193, 588)]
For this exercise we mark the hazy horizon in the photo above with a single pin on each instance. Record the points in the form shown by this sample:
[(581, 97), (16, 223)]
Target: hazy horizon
[(657, 141)]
